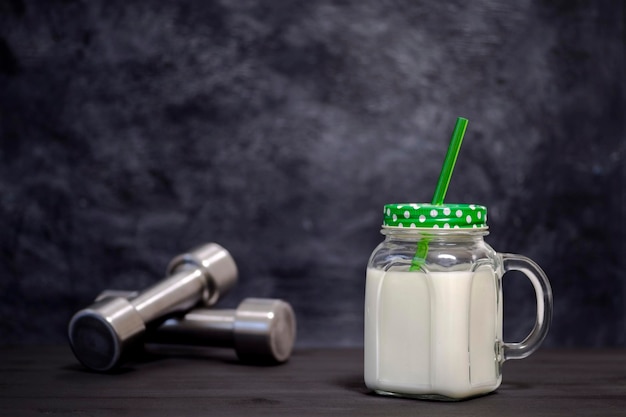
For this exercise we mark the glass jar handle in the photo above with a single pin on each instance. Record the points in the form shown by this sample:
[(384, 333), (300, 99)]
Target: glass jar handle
[(543, 292)]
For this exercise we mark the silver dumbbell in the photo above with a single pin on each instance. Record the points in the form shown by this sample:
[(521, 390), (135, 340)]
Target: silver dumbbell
[(261, 330), (103, 335)]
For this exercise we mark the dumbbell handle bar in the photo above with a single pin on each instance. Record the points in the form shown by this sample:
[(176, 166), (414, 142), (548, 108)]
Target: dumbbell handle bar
[(176, 293), (200, 327)]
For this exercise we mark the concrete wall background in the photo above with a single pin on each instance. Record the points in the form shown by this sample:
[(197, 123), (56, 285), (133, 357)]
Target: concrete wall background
[(131, 131)]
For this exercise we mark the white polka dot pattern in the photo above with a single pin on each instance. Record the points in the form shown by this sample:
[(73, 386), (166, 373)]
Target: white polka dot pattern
[(445, 216)]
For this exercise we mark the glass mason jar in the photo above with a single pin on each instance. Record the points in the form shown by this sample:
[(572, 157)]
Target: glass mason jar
[(433, 304)]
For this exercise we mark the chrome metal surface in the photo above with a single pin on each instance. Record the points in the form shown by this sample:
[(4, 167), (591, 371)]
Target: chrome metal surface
[(217, 265), (264, 329), (103, 335), (261, 330)]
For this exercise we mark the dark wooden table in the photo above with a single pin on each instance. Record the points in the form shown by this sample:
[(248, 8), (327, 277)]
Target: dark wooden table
[(48, 381)]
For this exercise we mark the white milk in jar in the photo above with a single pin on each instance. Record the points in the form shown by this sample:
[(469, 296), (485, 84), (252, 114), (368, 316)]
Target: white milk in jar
[(428, 333)]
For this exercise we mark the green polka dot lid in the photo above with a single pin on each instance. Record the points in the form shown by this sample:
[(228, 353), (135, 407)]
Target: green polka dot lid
[(431, 216)]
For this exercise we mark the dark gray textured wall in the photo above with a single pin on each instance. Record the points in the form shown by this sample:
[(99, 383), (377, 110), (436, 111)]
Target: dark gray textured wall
[(133, 130)]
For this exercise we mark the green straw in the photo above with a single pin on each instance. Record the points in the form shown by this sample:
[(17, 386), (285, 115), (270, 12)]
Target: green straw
[(448, 163), (442, 186)]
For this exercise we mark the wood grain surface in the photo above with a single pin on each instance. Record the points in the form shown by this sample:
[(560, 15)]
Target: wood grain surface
[(48, 381)]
